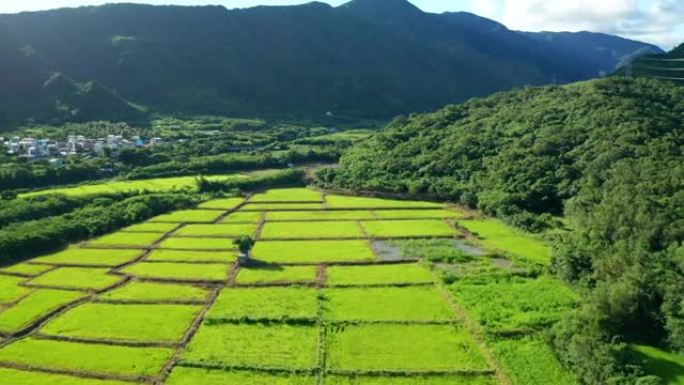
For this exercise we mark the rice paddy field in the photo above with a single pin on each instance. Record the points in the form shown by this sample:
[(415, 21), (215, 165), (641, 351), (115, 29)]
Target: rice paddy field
[(166, 302)]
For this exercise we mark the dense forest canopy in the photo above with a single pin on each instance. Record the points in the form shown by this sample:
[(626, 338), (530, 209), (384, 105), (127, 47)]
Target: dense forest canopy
[(367, 58), (608, 154)]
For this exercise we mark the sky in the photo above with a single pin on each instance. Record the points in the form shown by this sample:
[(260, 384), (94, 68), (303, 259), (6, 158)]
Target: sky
[(660, 22)]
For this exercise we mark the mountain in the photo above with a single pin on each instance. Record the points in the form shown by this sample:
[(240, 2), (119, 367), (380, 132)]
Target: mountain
[(366, 58), (668, 66)]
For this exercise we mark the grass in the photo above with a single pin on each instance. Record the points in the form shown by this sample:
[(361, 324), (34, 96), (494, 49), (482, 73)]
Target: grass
[(194, 376), (10, 289), (90, 257), (76, 278), (288, 195), (32, 307), (142, 323), (218, 230), (178, 271), (403, 347), (313, 251), (26, 269), (275, 230), (408, 228), (221, 204), (150, 227), (326, 215), (148, 291), (92, 358), (155, 185), (410, 380), (669, 366), (282, 206), (197, 244), (378, 275), (254, 345), (417, 214), (264, 304), (127, 239), (530, 361), (191, 256), (385, 304), (344, 202), (243, 217), (188, 216), (507, 303), (20, 377), (497, 236), (276, 274)]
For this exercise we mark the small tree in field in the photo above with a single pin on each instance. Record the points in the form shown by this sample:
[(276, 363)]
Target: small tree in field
[(244, 244)]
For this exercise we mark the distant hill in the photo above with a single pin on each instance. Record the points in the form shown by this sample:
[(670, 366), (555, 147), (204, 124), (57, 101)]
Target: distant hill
[(366, 58), (669, 66)]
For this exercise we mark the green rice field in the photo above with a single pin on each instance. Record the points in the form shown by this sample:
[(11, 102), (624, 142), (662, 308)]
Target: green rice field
[(325, 299)]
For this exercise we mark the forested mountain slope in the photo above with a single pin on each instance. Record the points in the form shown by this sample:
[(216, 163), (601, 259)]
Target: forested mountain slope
[(609, 154), (367, 58), (668, 67)]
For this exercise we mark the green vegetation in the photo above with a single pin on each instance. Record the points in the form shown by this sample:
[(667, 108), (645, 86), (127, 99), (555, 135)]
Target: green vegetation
[(282, 206), (194, 376), (179, 271), (417, 214), (313, 251), (261, 304), (150, 228), (377, 275), (26, 269), (276, 274), (197, 244), (10, 289), (410, 380), (396, 347), (221, 204), (347, 202), (90, 257), (127, 239), (436, 250), (669, 366), (216, 230), (100, 321), (298, 230), (18, 377), (497, 236), (254, 345), (156, 292), (408, 228), (318, 215), (243, 216), (76, 278), (32, 307), (386, 304), (288, 195), (94, 358), (189, 216), (190, 256)]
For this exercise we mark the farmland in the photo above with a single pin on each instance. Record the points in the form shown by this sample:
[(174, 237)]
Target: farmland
[(166, 302)]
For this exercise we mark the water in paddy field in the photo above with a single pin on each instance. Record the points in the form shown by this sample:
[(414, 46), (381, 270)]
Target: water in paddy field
[(388, 252)]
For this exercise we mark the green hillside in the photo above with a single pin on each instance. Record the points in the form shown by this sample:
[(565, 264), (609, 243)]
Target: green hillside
[(668, 67)]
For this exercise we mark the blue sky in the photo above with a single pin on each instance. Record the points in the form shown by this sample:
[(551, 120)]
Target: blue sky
[(656, 21)]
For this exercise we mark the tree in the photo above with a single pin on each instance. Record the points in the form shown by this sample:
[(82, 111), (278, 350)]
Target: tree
[(244, 244)]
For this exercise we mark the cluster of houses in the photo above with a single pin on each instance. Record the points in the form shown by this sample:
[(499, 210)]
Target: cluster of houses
[(74, 144)]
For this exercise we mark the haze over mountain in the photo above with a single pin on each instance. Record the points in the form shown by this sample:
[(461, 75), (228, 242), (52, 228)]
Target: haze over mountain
[(366, 58)]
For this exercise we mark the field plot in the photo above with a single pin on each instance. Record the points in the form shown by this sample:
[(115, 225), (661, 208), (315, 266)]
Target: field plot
[(162, 255), (276, 274), (282, 206), (668, 365), (221, 204), (20, 377), (181, 243), (254, 345), (378, 275), (496, 235), (411, 380), (311, 230), (100, 321), (76, 278), (408, 228), (92, 358), (10, 289), (418, 214), (346, 202), (403, 347), (25, 269), (217, 230), (32, 307), (194, 376), (264, 304), (313, 251), (150, 227), (385, 304), (90, 257), (156, 292), (201, 216), (328, 215), (127, 239), (243, 217), (288, 195), (179, 271)]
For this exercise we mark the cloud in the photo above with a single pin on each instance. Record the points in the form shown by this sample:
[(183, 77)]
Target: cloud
[(657, 21)]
